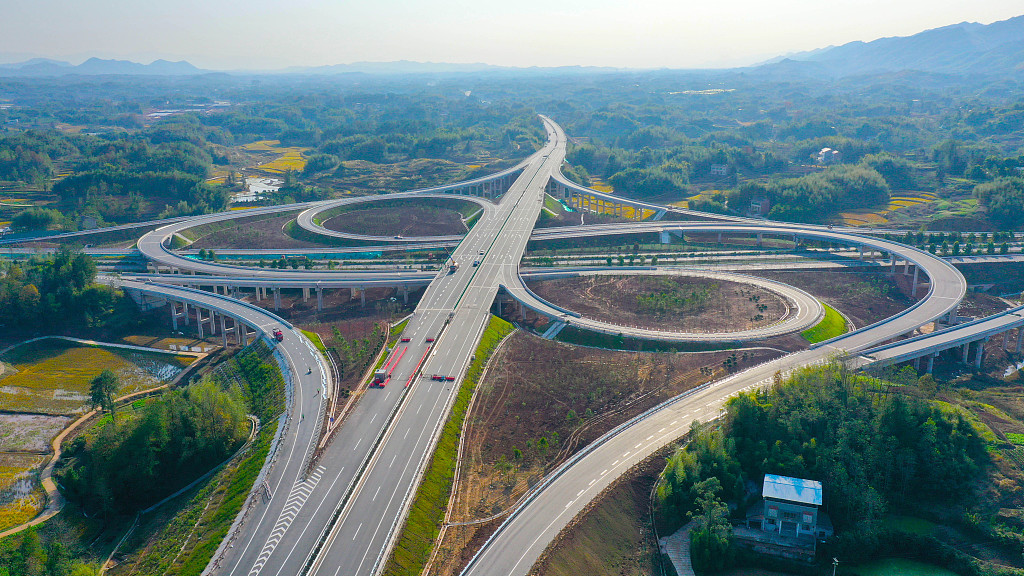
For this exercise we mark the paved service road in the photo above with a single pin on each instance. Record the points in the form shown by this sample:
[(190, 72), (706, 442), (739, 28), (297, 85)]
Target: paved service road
[(521, 539)]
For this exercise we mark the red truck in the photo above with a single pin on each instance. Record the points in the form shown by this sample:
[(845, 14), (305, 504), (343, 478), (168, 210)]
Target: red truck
[(278, 335)]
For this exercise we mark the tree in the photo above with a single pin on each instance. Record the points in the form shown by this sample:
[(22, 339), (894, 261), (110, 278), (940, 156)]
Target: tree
[(102, 390), (709, 537)]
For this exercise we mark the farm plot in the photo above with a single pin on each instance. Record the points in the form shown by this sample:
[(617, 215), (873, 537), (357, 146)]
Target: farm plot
[(29, 432), (53, 376), (679, 303), (20, 496)]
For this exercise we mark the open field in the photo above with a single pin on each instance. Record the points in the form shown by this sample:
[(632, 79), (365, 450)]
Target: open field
[(680, 303), (540, 402), (52, 377), (265, 233), (895, 567), (410, 220)]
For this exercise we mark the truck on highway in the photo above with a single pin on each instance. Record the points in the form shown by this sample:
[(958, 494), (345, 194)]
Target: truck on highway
[(453, 268), (278, 335)]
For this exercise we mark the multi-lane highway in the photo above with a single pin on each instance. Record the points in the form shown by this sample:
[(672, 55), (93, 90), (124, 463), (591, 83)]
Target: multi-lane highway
[(341, 516)]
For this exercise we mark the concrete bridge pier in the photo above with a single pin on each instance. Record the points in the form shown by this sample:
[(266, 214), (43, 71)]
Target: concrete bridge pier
[(913, 285), (931, 361), (319, 299), (277, 298), (305, 294), (223, 331), (1020, 338), (184, 312), (979, 353), (362, 296), (405, 294), (760, 240), (666, 237)]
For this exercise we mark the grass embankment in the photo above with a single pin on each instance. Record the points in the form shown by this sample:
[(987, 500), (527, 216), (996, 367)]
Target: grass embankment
[(427, 512), (315, 339), (832, 325)]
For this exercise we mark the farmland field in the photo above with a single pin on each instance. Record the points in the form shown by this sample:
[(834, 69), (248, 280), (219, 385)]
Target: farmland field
[(52, 377), (20, 496)]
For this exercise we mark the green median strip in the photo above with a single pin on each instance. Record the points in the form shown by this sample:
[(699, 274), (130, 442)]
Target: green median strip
[(832, 325), (428, 507)]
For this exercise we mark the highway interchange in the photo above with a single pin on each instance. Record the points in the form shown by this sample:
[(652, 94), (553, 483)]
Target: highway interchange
[(341, 516)]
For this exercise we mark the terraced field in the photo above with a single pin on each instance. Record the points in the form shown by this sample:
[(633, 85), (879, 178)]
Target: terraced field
[(53, 376)]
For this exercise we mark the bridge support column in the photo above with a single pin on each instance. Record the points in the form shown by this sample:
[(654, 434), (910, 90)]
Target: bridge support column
[(319, 299), (277, 298), (760, 240), (199, 322), (917, 363), (666, 238), (913, 286), (906, 267), (184, 312), (931, 361), (405, 294), (979, 353), (223, 331), (174, 315), (861, 257), (719, 237), (305, 294), (892, 264), (362, 296), (1020, 339)]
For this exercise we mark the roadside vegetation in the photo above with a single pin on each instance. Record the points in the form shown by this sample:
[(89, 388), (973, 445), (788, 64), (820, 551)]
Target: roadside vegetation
[(832, 325)]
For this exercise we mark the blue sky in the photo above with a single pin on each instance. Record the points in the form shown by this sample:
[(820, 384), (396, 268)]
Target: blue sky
[(265, 34)]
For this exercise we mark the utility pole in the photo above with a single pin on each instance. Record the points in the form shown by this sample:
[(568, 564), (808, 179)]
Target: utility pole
[(835, 562)]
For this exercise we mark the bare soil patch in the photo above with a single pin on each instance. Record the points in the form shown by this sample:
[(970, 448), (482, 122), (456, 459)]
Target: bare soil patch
[(257, 234), (679, 303), (405, 221), (540, 402), (863, 297)]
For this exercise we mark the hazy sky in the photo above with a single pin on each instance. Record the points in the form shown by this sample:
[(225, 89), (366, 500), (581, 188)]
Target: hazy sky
[(267, 34)]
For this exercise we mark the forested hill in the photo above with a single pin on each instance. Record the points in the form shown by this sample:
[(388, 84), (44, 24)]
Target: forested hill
[(968, 47)]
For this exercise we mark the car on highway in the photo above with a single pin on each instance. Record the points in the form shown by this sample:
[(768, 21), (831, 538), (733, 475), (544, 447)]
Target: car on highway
[(406, 339), (476, 263), (430, 339)]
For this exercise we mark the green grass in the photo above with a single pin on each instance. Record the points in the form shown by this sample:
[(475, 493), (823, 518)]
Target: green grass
[(427, 512), (832, 325), (315, 339), (554, 206), (895, 567), (910, 524), (397, 329), (1015, 437)]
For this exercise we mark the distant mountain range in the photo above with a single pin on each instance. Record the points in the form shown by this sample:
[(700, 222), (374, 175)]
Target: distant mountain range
[(965, 48), (97, 66)]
